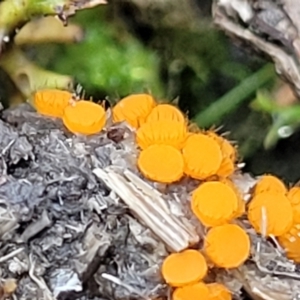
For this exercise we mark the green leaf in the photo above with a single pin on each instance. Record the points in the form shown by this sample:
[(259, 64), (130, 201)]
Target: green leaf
[(109, 60), (264, 102)]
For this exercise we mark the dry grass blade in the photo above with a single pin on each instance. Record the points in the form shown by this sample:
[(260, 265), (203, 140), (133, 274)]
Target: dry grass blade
[(150, 210)]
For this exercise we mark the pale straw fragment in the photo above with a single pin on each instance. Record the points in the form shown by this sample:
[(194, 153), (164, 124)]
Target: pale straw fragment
[(150, 208)]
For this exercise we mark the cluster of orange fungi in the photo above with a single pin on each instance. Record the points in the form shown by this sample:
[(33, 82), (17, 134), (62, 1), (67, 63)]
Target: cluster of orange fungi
[(171, 148), (79, 116)]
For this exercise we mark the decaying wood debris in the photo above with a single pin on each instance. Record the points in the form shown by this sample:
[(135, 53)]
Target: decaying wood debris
[(63, 234), (76, 220), (270, 27)]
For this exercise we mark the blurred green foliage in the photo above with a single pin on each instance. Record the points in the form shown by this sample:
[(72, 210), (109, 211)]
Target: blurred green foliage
[(216, 112), (285, 120), (109, 61), (196, 64), (201, 65)]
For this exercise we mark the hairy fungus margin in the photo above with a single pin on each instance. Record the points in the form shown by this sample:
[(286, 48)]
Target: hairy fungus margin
[(202, 156), (270, 213), (84, 117), (162, 163), (227, 246), (166, 112), (184, 268), (51, 102), (134, 109), (214, 203), (194, 291), (164, 132)]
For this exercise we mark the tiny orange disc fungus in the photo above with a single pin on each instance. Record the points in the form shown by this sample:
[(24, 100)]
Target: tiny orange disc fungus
[(218, 291), (163, 132), (290, 242), (166, 112), (227, 246), (228, 150), (161, 163), (241, 203), (226, 168), (84, 117), (214, 203), (228, 155), (202, 156), (184, 268), (194, 128), (294, 198), (270, 213), (51, 102), (197, 291), (134, 109), (269, 183)]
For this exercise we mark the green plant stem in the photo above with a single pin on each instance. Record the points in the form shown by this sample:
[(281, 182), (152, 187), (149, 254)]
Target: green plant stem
[(29, 77), (15, 13), (230, 101)]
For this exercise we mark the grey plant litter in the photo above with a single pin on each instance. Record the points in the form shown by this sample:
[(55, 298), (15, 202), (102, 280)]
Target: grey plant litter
[(78, 221)]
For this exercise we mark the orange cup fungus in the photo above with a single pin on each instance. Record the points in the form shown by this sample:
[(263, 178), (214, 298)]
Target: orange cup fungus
[(161, 163), (163, 132), (51, 102), (228, 155), (270, 213), (294, 197), (214, 203), (228, 150), (202, 156), (170, 150), (290, 242), (218, 291), (166, 112), (269, 183), (227, 246), (184, 268), (84, 117), (197, 291), (134, 109), (241, 203), (226, 168)]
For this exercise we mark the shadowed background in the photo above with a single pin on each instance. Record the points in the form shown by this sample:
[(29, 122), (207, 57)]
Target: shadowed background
[(172, 50)]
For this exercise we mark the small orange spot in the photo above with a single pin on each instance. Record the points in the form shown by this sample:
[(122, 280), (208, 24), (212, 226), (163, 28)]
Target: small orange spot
[(218, 291), (166, 112), (134, 109), (186, 267), (270, 212), (202, 156), (194, 128), (229, 155), (84, 117), (269, 183), (290, 242), (214, 203), (161, 163), (294, 198), (228, 150), (227, 246), (241, 203), (197, 291), (51, 102), (227, 167), (163, 132)]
